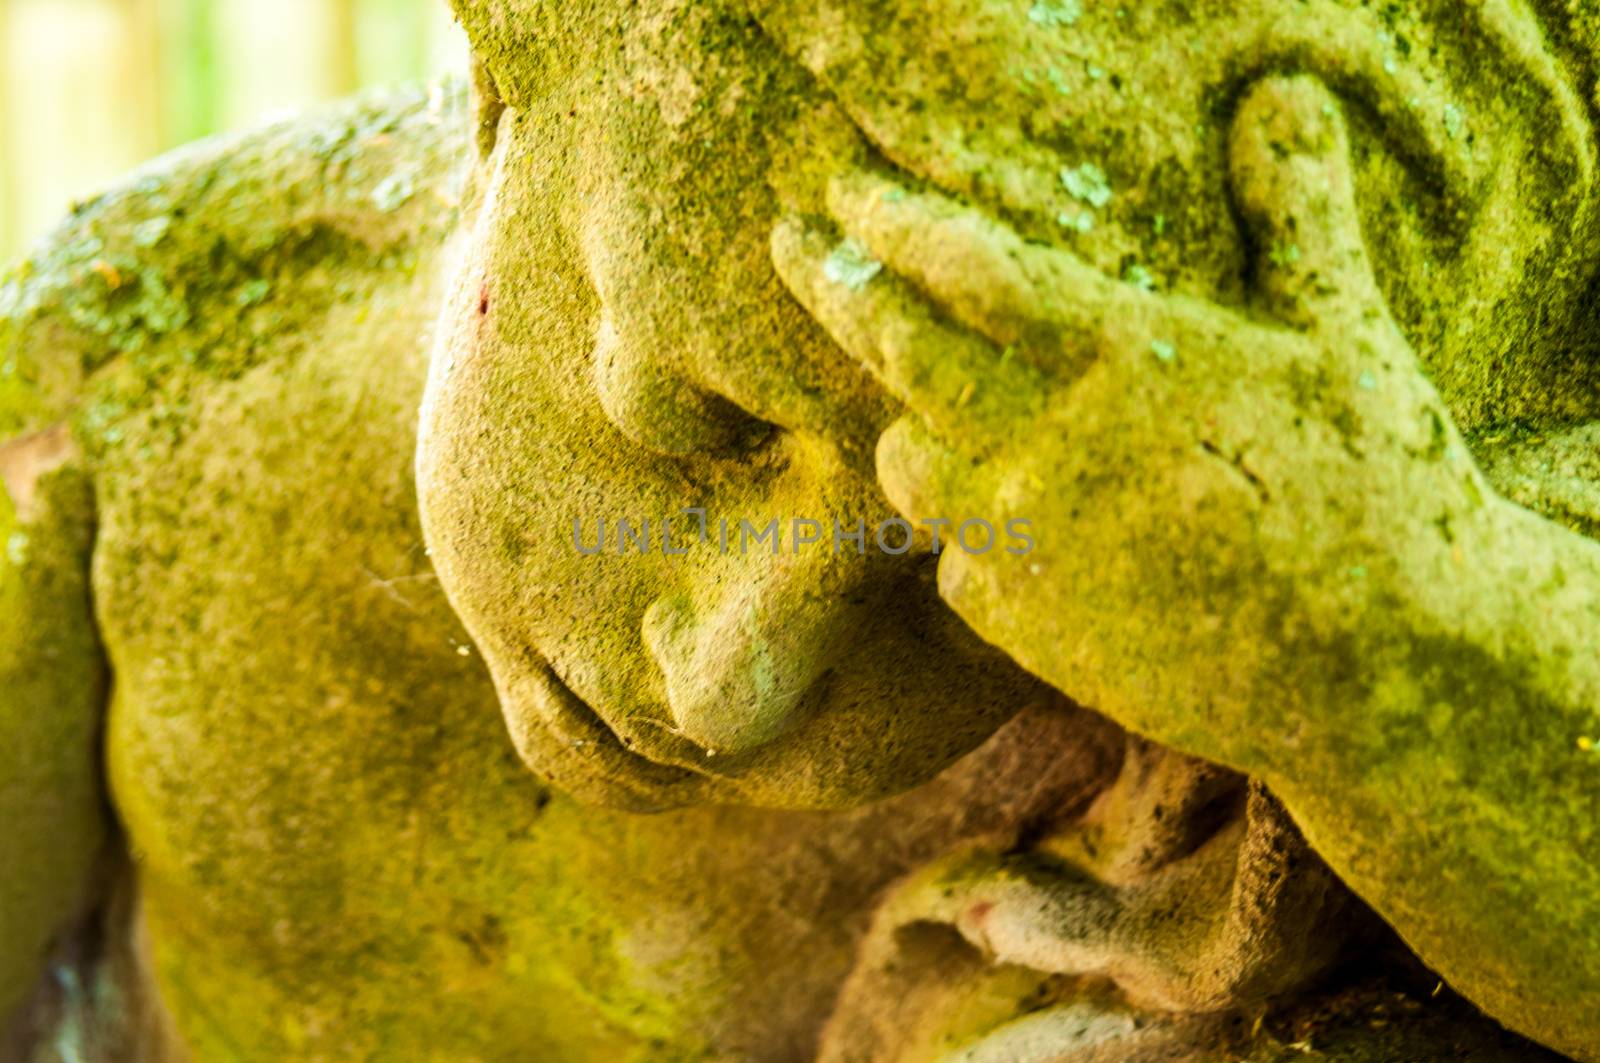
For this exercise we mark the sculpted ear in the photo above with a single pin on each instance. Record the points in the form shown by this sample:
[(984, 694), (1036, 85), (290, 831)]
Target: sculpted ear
[(1289, 157)]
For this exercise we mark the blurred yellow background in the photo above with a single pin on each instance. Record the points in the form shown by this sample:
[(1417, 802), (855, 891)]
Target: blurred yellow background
[(90, 88)]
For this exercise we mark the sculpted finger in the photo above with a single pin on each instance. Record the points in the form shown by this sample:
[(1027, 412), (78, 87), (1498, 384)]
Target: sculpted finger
[(1290, 162), (925, 479), (952, 377), (981, 271)]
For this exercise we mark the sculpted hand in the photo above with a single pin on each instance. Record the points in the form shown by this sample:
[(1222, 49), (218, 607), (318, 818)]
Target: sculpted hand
[(1219, 497)]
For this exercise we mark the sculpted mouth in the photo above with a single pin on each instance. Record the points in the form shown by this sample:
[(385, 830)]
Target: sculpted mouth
[(564, 740)]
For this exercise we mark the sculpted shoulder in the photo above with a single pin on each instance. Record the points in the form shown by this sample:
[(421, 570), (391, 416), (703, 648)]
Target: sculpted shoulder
[(224, 254)]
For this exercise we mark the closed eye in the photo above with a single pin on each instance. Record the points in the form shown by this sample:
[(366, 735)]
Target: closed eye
[(652, 403)]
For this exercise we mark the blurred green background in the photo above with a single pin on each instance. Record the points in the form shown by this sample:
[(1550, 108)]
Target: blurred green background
[(90, 88)]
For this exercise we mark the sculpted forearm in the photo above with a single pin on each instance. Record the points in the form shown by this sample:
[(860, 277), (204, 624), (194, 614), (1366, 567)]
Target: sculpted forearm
[(1462, 799), (53, 822)]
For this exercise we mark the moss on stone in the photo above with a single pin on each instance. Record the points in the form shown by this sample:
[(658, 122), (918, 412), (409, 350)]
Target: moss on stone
[(340, 855)]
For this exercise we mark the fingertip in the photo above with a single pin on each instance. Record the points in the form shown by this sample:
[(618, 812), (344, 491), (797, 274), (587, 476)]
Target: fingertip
[(1290, 165), (1288, 150), (881, 213), (794, 246), (848, 191), (912, 468), (799, 256), (1294, 114)]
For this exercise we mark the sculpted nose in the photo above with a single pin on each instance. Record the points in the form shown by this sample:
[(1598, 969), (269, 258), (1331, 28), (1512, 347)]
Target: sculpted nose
[(740, 669)]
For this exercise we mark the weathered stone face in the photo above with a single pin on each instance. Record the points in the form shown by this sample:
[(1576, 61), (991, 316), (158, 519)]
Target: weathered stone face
[(648, 151), (617, 347), (337, 854)]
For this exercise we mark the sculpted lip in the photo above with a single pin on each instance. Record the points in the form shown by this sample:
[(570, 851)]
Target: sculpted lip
[(568, 742)]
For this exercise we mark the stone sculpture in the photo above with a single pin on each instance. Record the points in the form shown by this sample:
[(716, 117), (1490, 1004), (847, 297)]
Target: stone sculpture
[(1262, 332)]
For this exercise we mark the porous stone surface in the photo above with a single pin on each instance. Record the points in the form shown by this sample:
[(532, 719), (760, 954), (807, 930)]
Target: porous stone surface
[(1272, 317)]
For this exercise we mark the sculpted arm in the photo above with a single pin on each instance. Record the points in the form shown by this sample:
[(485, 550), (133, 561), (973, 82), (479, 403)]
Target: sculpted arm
[(1261, 540), (53, 818)]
